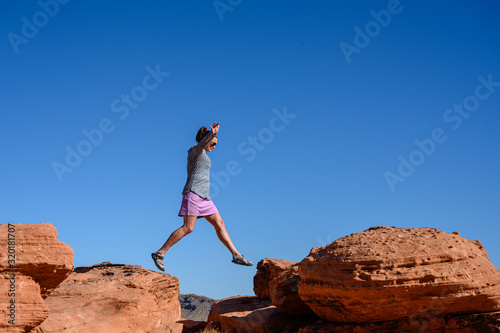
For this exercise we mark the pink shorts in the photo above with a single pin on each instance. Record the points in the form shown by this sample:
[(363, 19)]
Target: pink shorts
[(194, 205)]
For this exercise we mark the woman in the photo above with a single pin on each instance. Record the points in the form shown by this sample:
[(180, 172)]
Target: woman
[(196, 202)]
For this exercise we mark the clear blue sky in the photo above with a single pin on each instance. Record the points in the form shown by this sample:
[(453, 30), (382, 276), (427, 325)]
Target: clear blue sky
[(335, 117)]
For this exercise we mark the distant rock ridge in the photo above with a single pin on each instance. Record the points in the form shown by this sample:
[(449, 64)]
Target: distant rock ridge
[(195, 307)]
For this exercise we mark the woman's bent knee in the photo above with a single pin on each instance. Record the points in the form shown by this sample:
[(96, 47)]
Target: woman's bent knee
[(220, 225), (188, 229)]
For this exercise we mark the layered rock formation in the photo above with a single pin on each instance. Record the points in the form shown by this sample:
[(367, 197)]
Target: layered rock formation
[(250, 314), (22, 309), (267, 270), (384, 279), (114, 298), (32, 263), (278, 280), (103, 298), (284, 292), (387, 273), (276, 308), (465, 323)]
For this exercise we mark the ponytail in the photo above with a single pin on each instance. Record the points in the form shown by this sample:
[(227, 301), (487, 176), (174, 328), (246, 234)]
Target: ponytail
[(202, 132)]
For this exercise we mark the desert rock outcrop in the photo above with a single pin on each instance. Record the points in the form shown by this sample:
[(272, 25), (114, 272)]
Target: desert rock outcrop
[(32, 263), (465, 323), (384, 279), (267, 270), (278, 280), (250, 314), (114, 298), (388, 273)]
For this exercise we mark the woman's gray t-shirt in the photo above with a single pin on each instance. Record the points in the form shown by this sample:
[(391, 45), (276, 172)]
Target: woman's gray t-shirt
[(198, 169)]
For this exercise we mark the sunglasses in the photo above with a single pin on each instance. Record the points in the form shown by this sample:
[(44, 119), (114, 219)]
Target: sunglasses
[(213, 144)]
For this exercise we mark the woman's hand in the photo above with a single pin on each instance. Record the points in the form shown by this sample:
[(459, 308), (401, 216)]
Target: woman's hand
[(215, 128)]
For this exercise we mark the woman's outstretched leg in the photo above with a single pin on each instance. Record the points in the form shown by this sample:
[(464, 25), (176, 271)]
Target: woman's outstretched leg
[(177, 235), (220, 228)]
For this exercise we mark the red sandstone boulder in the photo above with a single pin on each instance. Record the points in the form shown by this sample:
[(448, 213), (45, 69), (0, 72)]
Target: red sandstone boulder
[(387, 273), (32, 263), (268, 269), (284, 292), (278, 280), (114, 298), (465, 323), (191, 326), (250, 314), (23, 308), (39, 254)]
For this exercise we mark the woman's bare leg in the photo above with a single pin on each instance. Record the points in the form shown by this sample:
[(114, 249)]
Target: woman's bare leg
[(177, 235), (220, 228)]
